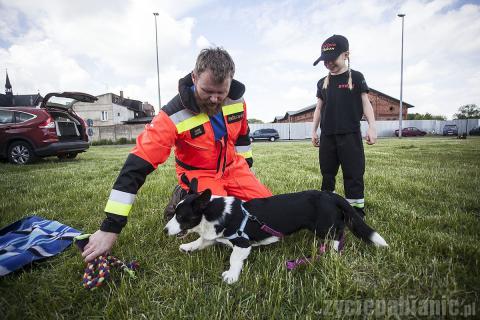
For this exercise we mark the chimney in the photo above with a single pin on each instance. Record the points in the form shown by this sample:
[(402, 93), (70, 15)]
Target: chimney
[(121, 94)]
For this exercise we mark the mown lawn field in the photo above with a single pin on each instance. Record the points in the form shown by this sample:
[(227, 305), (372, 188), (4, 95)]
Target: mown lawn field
[(422, 196)]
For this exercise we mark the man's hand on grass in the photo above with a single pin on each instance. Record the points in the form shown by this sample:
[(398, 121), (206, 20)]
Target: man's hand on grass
[(99, 243)]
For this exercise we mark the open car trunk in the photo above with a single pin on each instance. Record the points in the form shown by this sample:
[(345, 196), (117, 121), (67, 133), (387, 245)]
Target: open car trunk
[(68, 128), (59, 106)]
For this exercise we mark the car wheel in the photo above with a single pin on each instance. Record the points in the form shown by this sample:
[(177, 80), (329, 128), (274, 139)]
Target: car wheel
[(21, 152), (64, 156), (272, 139)]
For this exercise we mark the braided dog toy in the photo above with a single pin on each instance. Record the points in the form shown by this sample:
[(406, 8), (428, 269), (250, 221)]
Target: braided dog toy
[(98, 271)]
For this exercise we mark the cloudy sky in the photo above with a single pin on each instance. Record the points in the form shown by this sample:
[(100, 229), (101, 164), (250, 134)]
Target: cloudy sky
[(108, 46)]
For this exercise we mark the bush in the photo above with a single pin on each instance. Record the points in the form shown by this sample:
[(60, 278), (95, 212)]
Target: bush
[(103, 142)]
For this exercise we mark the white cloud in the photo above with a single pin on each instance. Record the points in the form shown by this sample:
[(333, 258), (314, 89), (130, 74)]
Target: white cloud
[(43, 66), (440, 41), (110, 45), (65, 47), (203, 42)]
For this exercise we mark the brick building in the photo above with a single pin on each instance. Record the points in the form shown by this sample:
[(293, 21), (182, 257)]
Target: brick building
[(384, 106)]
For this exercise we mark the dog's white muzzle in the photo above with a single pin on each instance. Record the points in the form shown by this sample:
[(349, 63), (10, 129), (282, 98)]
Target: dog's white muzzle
[(173, 227)]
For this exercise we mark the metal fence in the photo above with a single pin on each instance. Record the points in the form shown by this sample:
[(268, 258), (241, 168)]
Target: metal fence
[(296, 131)]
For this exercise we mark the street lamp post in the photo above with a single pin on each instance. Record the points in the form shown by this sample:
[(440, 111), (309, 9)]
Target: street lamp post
[(155, 14), (401, 15)]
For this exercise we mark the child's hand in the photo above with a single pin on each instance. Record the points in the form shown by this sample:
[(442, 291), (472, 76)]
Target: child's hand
[(371, 136), (315, 140)]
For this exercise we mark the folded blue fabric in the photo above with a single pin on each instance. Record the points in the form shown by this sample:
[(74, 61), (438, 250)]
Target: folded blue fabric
[(30, 239)]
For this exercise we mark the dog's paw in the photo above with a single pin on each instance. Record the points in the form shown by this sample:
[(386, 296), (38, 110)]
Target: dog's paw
[(230, 277), (186, 247)]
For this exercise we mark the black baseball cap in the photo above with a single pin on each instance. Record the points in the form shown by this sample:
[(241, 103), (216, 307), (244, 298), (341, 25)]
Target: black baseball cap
[(332, 48)]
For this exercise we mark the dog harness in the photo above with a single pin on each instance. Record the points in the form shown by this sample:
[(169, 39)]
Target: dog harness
[(247, 216), (290, 264)]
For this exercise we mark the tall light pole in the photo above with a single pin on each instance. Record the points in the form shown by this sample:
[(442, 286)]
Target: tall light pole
[(401, 15), (155, 14)]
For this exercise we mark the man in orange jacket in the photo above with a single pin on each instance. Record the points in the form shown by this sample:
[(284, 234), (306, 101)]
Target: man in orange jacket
[(207, 124)]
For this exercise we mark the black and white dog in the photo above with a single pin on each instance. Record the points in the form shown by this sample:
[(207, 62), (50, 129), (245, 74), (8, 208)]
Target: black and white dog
[(242, 225)]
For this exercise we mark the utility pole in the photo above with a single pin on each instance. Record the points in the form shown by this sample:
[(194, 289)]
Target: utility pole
[(401, 15), (155, 14)]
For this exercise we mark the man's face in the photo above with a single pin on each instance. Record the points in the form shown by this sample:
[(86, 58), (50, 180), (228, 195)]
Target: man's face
[(209, 94)]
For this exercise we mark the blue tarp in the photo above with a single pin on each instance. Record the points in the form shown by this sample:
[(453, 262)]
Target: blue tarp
[(30, 239)]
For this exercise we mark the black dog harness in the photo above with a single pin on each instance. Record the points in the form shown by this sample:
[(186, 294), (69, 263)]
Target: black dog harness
[(247, 216)]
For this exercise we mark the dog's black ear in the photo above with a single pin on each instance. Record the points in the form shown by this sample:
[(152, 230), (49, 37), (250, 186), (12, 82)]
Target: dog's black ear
[(185, 180), (193, 186), (203, 199)]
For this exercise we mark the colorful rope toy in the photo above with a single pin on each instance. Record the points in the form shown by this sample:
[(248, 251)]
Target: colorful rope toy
[(98, 271)]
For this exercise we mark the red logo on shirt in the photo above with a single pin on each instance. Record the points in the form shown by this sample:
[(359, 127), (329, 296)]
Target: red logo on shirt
[(345, 86)]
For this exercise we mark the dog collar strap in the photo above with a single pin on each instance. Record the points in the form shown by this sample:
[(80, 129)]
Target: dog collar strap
[(263, 226), (273, 232), (239, 232)]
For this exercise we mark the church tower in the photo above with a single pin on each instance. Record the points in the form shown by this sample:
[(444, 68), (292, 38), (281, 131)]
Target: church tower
[(8, 91), (8, 86)]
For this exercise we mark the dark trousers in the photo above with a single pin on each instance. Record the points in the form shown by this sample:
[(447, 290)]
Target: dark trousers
[(344, 150)]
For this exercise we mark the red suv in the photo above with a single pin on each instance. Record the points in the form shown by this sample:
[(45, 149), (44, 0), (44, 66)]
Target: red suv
[(52, 129), (411, 132)]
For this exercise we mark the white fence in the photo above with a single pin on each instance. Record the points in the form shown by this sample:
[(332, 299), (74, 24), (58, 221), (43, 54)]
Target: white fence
[(294, 131)]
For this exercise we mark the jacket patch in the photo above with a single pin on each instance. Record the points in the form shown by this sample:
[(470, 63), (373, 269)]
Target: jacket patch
[(235, 117), (197, 131)]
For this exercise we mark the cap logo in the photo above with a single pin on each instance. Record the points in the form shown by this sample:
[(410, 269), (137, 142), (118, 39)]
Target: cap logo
[(328, 47)]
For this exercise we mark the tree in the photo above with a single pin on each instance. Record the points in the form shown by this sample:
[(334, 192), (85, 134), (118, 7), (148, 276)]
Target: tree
[(468, 111), (426, 116), (254, 121)]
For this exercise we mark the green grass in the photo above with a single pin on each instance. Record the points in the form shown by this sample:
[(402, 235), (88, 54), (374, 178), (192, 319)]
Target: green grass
[(422, 195)]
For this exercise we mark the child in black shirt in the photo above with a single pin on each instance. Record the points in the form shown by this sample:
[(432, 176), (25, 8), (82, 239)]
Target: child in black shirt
[(342, 100)]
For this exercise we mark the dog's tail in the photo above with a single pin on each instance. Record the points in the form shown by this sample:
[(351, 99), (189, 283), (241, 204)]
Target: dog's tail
[(356, 224)]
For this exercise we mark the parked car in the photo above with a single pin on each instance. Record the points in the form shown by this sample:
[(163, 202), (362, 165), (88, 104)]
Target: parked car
[(474, 131), (51, 129), (450, 130), (264, 134), (411, 132)]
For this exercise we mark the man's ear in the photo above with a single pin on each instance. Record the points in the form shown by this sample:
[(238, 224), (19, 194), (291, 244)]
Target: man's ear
[(193, 188), (203, 199), (194, 77)]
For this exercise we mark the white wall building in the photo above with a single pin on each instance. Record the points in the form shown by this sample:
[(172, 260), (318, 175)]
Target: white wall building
[(111, 109)]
